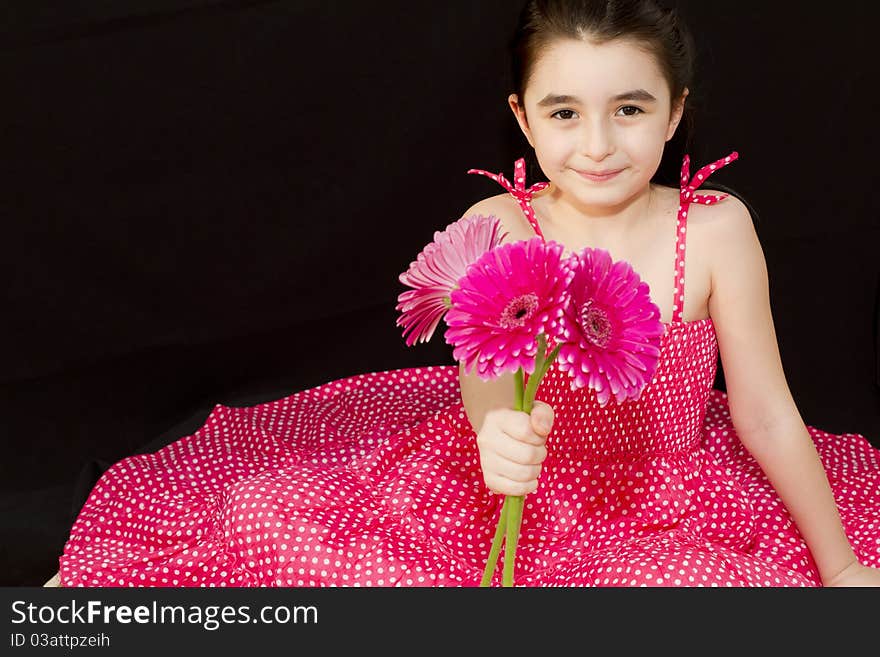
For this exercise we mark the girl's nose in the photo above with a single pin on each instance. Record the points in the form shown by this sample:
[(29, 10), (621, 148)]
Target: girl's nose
[(596, 140)]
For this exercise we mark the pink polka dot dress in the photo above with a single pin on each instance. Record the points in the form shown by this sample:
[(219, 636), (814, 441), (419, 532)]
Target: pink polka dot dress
[(374, 480)]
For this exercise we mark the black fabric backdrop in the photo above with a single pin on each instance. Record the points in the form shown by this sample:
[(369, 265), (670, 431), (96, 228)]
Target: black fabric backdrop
[(210, 202)]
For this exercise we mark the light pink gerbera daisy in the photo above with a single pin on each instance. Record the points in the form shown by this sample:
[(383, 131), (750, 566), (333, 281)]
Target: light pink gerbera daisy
[(507, 298), (436, 270), (611, 328)]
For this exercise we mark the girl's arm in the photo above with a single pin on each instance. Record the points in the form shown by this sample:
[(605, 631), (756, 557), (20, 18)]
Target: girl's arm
[(761, 406), (510, 443), (479, 397)]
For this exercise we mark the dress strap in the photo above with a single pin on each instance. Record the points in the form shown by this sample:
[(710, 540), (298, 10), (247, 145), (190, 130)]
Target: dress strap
[(687, 195), (518, 190)]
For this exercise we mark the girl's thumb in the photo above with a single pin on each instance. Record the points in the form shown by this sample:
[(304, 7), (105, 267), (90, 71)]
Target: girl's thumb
[(542, 417)]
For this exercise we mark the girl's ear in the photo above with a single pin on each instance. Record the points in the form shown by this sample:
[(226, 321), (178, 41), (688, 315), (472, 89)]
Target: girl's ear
[(519, 111), (676, 114)]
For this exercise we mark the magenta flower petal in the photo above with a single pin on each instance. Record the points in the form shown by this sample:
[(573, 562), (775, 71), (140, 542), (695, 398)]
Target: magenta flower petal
[(507, 298), (611, 330), (436, 270)]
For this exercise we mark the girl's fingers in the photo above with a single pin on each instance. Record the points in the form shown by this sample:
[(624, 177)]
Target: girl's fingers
[(504, 486), (541, 418), (514, 471), (522, 452)]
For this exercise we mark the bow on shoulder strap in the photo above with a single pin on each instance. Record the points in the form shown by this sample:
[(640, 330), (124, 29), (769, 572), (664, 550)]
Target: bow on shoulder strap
[(518, 190)]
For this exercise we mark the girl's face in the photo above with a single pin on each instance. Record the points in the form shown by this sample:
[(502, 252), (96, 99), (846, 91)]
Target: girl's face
[(598, 117)]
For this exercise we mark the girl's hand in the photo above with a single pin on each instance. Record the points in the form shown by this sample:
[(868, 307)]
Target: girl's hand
[(512, 448), (856, 575)]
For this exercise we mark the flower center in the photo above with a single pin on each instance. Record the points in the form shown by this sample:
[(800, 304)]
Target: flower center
[(596, 325), (518, 311)]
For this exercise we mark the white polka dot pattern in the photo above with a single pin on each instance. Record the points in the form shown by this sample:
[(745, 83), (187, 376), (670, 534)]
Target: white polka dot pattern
[(374, 480), (687, 195)]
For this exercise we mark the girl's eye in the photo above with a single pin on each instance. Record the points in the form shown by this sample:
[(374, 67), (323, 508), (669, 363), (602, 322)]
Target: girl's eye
[(564, 115), (630, 110)]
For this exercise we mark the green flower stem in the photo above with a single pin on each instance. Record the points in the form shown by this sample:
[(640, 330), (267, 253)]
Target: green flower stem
[(518, 389), (510, 518), (514, 518), (525, 403), (501, 528), (524, 400), (496, 547)]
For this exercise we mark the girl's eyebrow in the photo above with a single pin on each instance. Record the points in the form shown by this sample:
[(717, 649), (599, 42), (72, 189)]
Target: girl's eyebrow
[(636, 94), (564, 99), (558, 99)]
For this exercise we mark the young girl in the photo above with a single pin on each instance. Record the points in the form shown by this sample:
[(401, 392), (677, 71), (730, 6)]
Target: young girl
[(394, 478)]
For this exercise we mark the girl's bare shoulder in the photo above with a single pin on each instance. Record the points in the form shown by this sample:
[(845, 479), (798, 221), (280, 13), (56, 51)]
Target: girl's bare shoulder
[(717, 219), (716, 230), (507, 210)]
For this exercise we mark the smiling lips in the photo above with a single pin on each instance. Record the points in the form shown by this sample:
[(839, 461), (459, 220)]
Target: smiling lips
[(599, 176)]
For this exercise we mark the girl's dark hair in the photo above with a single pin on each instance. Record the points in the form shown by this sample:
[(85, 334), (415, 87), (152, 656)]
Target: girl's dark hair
[(659, 30)]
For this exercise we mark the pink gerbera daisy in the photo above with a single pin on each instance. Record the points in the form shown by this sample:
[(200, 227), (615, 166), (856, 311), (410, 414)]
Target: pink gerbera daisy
[(611, 328), (434, 273), (508, 297)]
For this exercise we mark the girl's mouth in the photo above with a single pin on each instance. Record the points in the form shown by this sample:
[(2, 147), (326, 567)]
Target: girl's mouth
[(599, 176)]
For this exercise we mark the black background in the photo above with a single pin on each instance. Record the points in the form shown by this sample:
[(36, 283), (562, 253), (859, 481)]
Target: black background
[(210, 202)]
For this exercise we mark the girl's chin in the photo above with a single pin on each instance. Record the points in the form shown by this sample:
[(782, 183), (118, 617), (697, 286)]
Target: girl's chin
[(602, 198)]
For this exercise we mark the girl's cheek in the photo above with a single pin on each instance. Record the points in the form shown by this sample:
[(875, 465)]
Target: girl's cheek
[(555, 145)]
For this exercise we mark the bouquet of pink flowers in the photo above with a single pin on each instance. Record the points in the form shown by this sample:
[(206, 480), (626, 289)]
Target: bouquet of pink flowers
[(502, 302)]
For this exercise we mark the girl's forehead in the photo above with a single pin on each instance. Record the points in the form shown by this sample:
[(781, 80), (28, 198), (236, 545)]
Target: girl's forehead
[(595, 71)]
